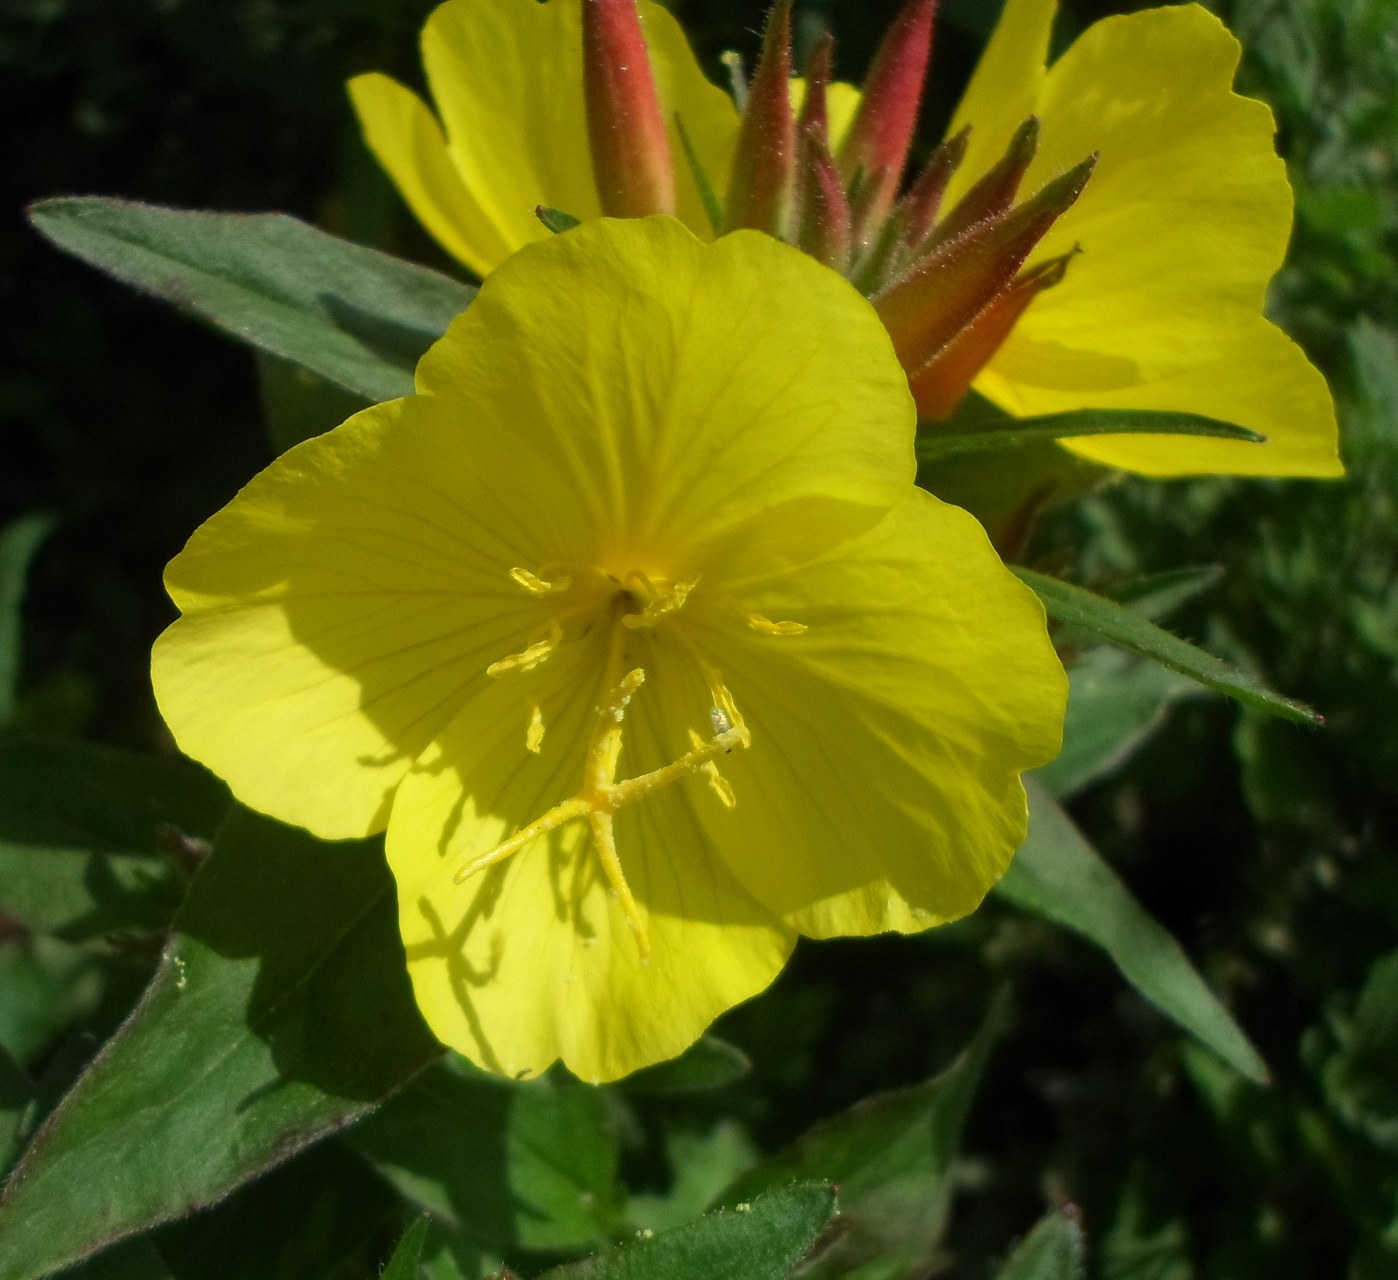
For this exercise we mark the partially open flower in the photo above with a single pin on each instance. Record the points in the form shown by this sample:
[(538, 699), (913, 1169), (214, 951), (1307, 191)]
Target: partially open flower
[(644, 660), (1097, 234)]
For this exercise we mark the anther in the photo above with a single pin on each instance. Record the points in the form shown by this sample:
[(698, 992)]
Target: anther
[(527, 659), (534, 735), (661, 606), (769, 628), (722, 788), (536, 586)]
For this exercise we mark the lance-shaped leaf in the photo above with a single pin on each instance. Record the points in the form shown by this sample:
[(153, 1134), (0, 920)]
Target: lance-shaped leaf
[(1006, 432), (280, 1013), (891, 1157), (1058, 875), (353, 315), (1116, 701), (1122, 626), (625, 127), (1054, 1250), (758, 1240), (95, 841), (764, 160), (403, 1264), (926, 307)]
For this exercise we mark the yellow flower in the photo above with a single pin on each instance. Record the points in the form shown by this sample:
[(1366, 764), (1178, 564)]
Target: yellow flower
[(646, 663), (1146, 293)]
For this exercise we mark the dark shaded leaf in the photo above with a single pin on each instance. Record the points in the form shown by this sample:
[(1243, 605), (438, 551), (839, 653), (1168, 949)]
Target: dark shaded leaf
[(355, 316), (134, 1260), (18, 544), (1157, 595), (18, 1100), (1116, 701), (758, 1240), (710, 1063), (404, 1263), (1054, 1250), (92, 840), (501, 1165), (1359, 1079), (891, 1157), (280, 1013), (1015, 433), (1058, 875), (1122, 626), (298, 404)]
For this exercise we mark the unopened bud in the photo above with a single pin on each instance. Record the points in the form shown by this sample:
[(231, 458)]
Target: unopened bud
[(759, 189), (878, 140), (626, 128), (939, 385)]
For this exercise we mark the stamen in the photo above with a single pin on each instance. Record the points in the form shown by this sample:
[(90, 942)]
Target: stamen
[(601, 795), (722, 788), (769, 628), (534, 735), (661, 606), (536, 586), (527, 659)]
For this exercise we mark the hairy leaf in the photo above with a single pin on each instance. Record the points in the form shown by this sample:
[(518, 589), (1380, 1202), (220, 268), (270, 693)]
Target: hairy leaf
[(1122, 626), (355, 316), (757, 1240), (281, 1012)]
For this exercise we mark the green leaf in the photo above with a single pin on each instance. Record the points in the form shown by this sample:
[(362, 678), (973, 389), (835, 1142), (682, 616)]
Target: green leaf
[(1157, 595), (18, 543), (502, 1165), (710, 1063), (1054, 1250), (18, 1102), (1058, 875), (555, 219), (758, 1240), (404, 1263), (298, 404), (702, 1165), (1014, 433), (1116, 701), (280, 1013), (355, 316), (92, 839), (891, 1157), (1124, 627)]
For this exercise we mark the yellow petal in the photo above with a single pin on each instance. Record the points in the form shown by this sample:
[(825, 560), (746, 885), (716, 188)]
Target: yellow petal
[(1182, 225), (407, 140), (337, 612), (710, 118), (882, 787), (692, 397), (506, 76), (1004, 90), (533, 960)]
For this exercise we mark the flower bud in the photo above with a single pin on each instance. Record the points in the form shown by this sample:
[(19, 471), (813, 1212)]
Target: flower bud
[(821, 216), (882, 132), (630, 149), (946, 291), (759, 190), (940, 383)]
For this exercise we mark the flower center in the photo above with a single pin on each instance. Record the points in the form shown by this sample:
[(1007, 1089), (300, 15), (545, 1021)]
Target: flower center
[(601, 794)]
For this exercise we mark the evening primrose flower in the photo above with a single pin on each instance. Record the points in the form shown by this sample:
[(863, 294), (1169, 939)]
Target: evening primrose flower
[(646, 663), (1095, 234)]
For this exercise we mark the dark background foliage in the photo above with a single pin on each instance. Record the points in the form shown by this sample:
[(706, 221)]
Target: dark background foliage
[(1267, 849)]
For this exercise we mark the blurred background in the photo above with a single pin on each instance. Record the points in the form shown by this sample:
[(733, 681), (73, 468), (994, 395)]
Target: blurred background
[(1267, 849)]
